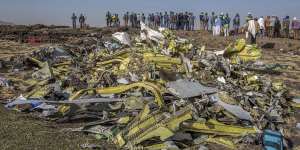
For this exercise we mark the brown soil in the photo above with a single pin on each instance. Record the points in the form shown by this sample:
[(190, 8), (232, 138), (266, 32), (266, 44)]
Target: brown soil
[(20, 131)]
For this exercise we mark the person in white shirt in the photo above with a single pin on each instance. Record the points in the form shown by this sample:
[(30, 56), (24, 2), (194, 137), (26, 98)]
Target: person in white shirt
[(261, 23), (252, 27)]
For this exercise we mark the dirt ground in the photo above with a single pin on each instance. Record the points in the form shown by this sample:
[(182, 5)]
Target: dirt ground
[(20, 131), (23, 132)]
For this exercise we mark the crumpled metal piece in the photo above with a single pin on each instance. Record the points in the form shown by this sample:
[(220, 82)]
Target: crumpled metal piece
[(122, 37), (184, 88), (234, 109)]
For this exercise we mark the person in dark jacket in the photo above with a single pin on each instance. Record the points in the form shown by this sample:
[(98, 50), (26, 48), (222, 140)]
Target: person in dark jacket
[(236, 24), (277, 27), (74, 19), (286, 26)]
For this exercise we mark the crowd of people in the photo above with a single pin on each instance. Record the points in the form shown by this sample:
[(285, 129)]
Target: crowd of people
[(220, 24), (81, 19), (112, 20)]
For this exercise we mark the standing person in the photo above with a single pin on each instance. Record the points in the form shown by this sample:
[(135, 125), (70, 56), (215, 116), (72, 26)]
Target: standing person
[(186, 21), (149, 20), (117, 20), (172, 20), (113, 20), (212, 21), (201, 18), (166, 20), (277, 27), (226, 24), (272, 26), (177, 19), (286, 26), (157, 20), (192, 21), (236, 24), (143, 18), (81, 21), (248, 17), (108, 19), (135, 20), (139, 19), (125, 18), (205, 21), (152, 20), (218, 25), (261, 23), (222, 23), (296, 28), (161, 18), (267, 26), (131, 19), (252, 27), (74, 19), (182, 21)]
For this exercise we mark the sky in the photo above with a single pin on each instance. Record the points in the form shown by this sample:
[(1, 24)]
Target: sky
[(59, 12)]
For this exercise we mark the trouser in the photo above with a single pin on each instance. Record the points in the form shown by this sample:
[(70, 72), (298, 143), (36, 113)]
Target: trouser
[(226, 31), (236, 30), (286, 33), (205, 26), (252, 39), (201, 25), (266, 31), (187, 26), (192, 26), (277, 33), (214, 30), (296, 34), (81, 25), (271, 32), (261, 32), (217, 30), (74, 25)]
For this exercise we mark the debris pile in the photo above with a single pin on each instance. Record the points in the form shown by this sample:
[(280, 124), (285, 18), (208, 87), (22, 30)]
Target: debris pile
[(155, 91)]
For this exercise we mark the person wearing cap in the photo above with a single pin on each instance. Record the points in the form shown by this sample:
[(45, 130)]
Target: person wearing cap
[(286, 26), (248, 18), (261, 23)]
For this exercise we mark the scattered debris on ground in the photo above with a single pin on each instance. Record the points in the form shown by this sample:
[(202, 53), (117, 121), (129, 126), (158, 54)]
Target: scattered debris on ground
[(155, 91)]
